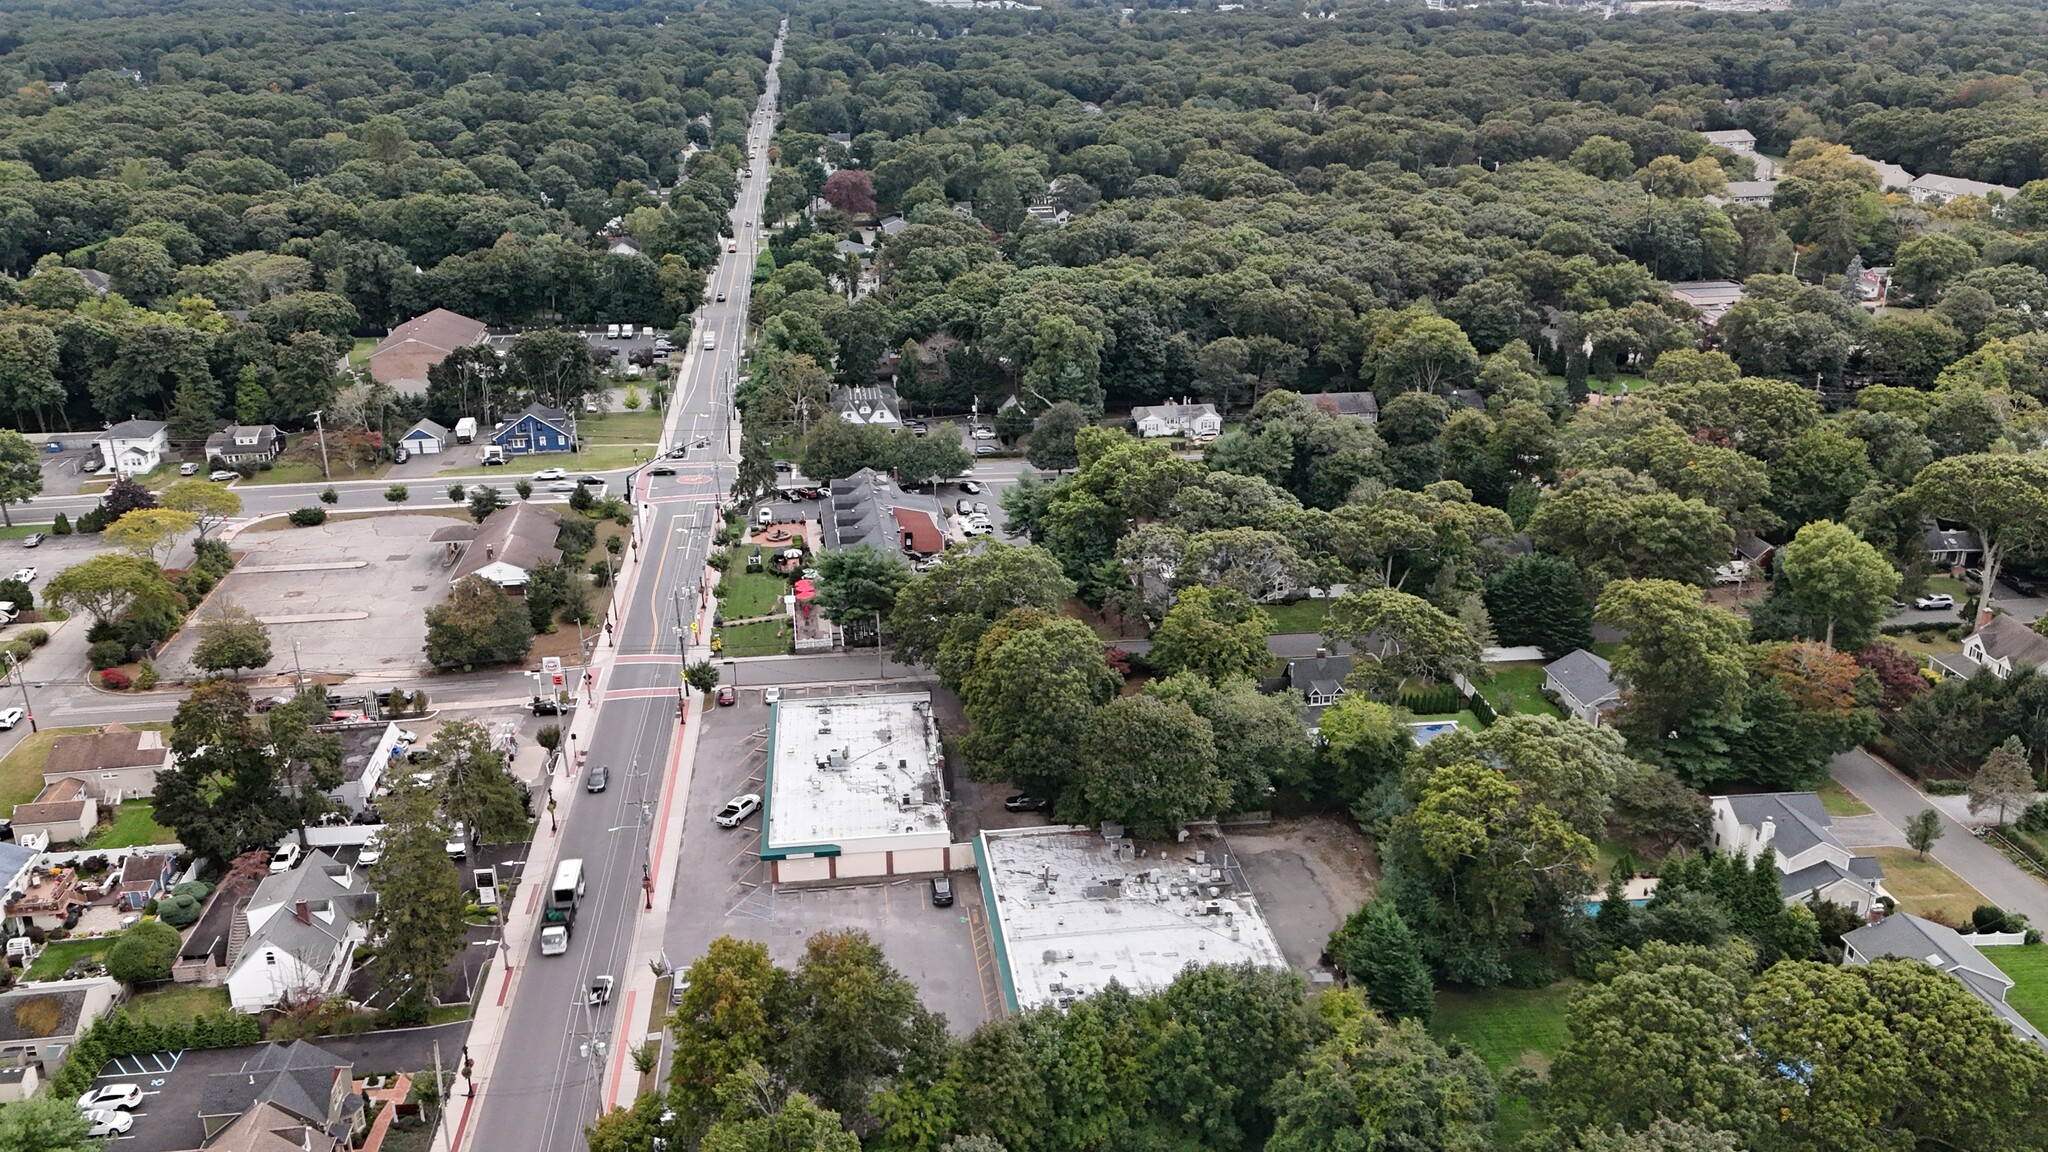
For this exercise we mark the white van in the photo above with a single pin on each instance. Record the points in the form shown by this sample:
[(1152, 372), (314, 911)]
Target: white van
[(611, 331), (647, 331), (710, 341)]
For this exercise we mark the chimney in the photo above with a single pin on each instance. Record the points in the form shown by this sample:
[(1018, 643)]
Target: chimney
[(1767, 831), (303, 912), (1322, 653)]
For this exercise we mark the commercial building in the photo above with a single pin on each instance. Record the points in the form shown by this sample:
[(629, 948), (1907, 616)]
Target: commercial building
[(1072, 909), (856, 787), (402, 358), (869, 508)]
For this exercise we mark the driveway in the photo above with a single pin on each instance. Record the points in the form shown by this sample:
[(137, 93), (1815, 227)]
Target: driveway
[(1984, 867)]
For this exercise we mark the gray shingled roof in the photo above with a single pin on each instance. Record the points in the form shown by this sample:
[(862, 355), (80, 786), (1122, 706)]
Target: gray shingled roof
[(1800, 819), (1824, 873), (134, 430), (1322, 674), (1584, 675), (2008, 638), (297, 1077), (427, 426)]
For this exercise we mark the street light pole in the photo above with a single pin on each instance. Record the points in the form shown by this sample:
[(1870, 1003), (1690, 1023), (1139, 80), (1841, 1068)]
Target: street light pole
[(881, 662), (298, 671), (320, 426)]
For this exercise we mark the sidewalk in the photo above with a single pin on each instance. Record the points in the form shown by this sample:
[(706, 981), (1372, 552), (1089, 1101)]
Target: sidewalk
[(487, 1027), (1985, 868)]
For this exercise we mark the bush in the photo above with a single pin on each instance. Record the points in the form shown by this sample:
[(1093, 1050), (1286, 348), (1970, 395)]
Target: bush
[(581, 500), (144, 954), (179, 910), (18, 650), (2035, 818), (308, 517), (1992, 918), (17, 591), (61, 526), (524, 488), (397, 494), (116, 679), (457, 493), (329, 496), (1945, 787), (93, 520), (35, 636), (105, 654), (145, 677)]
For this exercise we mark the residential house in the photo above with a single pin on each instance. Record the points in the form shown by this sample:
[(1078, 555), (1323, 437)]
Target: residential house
[(1049, 214), (144, 877), (1938, 190), (245, 444), (1890, 177), (1710, 298), (99, 282), (1999, 646), (1952, 547), (1748, 192), (402, 358), (891, 225), (854, 248), (1191, 420), (537, 429), (868, 404), (1754, 549), (302, 928), (1908, 937), (64, 811), (284, 1084), (1319, 678), (41, 1022), (115, 764), (1363, 405), (1812, 862), (133, 447), (506, 547), (1584, 685), (269, 1127), (623, 246), (1738, 140), (870, 509), (425, 438), (47, 896)]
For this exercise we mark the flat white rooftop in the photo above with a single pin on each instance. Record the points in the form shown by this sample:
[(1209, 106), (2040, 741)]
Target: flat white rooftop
[(854, 774), (1073, 911)]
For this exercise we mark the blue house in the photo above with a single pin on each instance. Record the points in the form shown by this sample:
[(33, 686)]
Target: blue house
[(538, 429)]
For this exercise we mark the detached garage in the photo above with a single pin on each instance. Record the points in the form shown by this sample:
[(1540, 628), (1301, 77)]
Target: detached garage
[(425, 438)]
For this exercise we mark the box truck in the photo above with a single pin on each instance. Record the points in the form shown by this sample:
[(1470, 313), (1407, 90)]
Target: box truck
[(465, 430)]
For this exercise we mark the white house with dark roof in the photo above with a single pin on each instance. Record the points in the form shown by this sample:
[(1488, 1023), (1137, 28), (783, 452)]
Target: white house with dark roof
[(2002, 645), (1812, 862), (425, 438), (133, 447), (1908, 937), (1584, 685), (1952, 547), (284, 1087), (1363, 405), (301, 930), (1932, 188), (245, 443), (868, 404), (1710, 298), (1319, 678)]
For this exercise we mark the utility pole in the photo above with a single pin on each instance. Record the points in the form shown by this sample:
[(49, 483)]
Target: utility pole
[(881, 661), (320, 426), (298, 671), (440, 1099), (27, 706)]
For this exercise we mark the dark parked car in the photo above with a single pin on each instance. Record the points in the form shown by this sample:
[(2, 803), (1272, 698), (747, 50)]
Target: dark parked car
[(266, 703), (942, 891), (598, 778), (661, 470), (784, 466), (2019, 584), (542, 706), (1026, 803)]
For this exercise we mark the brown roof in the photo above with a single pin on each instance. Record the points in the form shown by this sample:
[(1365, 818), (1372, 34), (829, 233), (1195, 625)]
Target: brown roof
[(924, 535), (269, 1128), (422, 342), (59, 800), (522, 536), (115, 746)]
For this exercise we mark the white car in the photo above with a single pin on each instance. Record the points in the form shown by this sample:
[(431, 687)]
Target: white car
[(188, 469), (550, 474), (737, 809), (983, 432), (285, 858), (1924, 603), (223, 475), (108, 1123), (562, 486), (771, 695), (408, 736), (977, 528), (111, 1096), (371, 852), (25, 575), (11, 717)]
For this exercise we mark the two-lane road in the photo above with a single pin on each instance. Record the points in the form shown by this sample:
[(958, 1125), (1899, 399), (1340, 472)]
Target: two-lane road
[(548, 1079)]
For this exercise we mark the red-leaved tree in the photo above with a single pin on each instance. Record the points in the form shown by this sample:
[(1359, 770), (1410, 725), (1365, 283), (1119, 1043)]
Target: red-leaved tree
[(851, 191)]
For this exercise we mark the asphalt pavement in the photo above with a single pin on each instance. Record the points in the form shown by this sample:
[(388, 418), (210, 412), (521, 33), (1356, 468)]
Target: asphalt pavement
[(546, 1075)]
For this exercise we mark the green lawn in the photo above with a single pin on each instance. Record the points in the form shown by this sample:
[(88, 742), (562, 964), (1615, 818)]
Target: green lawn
[(58, 957), (308, 472), (1300, 616), (767, 638), (2027, 964), (1605, 649), (1518, 688), (1507, 1026), (359, 353), (743, 594), (1839, 801), (129, 826), (176, 1004), (1466, 718), (21, 529), (1924, 887), (642, 427), (1950, 585), (602, 458)]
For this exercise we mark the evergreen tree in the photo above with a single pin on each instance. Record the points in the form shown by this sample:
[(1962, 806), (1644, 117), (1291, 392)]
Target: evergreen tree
[(195, 408), (1377, 947), (251, 401)]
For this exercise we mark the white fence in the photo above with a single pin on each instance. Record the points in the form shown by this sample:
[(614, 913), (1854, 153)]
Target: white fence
[(1995, 939)]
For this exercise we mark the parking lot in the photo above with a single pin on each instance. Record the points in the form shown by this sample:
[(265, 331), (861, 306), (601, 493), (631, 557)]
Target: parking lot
[(173, 1083), (352, 594), (722, 887)]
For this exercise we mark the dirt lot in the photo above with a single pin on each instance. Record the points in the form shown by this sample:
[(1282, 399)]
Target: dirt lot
[(1309, 874)]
